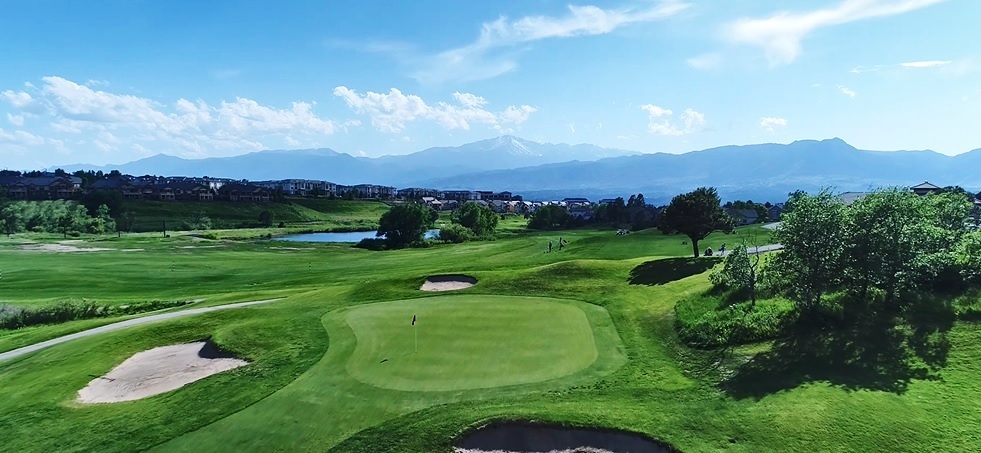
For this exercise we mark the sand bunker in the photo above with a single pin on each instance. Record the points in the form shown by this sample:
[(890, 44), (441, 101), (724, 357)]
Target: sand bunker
[(522, 437), (448, 283), (65, 247), (158, 370)]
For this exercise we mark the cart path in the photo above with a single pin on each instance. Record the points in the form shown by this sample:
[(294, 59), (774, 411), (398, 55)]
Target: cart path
[(122, 325)]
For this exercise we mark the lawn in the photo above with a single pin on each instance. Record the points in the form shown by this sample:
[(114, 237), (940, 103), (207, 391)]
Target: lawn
[(587, 335), (468, 342)]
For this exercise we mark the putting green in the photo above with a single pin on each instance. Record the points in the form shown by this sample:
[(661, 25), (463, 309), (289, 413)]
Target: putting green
[(468, 342)]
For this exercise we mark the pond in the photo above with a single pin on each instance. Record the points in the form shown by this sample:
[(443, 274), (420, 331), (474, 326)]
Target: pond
[(351, 236), (528, 437)]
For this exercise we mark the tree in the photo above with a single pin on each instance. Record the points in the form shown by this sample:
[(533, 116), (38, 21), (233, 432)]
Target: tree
[(549, 217), (813, 236), (617, 211), (695, 214), (93, 199), (480, 220), (265, 219), (404, 225), (126, 221)]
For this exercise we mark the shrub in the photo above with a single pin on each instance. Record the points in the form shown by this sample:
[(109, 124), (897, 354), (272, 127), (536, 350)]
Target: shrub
[(706, 322), (71, 310), (455, 233), (371, 244)]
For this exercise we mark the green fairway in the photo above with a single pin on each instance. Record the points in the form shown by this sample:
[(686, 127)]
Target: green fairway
[(468, 342), (582, 336)]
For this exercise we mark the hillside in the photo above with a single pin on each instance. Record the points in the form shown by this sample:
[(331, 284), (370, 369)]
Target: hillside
[(337, 215)]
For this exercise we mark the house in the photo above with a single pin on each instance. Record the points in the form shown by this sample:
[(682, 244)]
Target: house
[(925, 188), (190, 191), (851, 197), (374, 191), (300, 187), (244, 192), (775, 212), (743, 216), (47, 186), (416, 193), (461, 195)]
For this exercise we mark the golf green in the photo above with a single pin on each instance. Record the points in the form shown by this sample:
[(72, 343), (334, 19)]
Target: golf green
[(468, 342)]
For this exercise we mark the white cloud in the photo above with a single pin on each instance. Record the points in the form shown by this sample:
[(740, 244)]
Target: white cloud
[(18, 100), (705, 61), (16, 120), (846, 91), (391, 112), (21, 138), (113, 121), (925, 64), (771, 123), (908, 65), (494, 51), (780, 35), (659, 121)]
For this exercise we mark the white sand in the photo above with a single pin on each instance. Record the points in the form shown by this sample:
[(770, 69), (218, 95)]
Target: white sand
[(448, 285), (66, 247), (576, 450), (155, 371)]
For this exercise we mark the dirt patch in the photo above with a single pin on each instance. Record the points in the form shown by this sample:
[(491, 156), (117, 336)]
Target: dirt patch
[(527, 437), (158, 370), (448, 283)]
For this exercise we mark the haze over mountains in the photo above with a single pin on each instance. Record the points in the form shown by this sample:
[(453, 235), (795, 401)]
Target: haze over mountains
[(540, 171)]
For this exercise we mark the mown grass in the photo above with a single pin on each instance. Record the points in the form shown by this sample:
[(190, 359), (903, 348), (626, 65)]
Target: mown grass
[(299, 396)]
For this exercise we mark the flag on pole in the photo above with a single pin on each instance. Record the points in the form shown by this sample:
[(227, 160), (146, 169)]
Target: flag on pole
[(413, 320)]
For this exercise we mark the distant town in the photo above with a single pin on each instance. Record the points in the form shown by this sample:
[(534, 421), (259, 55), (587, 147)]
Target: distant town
[(58, 184)]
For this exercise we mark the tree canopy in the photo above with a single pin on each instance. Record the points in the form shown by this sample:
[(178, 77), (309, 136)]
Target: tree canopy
[(549, 217), (695, 214), (404, 225), (480, 220)]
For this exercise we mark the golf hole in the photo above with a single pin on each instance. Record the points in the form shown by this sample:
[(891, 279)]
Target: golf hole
[(448, 283), (532, 437)]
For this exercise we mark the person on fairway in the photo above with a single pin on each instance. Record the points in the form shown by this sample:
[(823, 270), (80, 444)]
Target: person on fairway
[(549, 246), (561, 243)]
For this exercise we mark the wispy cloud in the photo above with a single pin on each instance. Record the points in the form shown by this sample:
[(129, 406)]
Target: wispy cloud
[(495, 50), (16, 120), (705, 61), (925, 64), (391, 112), (659, 121), (908, 65), (771, 123), (780, 35), (846, 91)]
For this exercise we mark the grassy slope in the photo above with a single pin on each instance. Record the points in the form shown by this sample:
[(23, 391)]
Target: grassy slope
[(325, 214), (301, 398)]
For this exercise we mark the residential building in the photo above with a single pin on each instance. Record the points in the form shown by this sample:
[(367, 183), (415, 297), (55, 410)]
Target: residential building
[(851, 197), (925, 188), (743, 216)]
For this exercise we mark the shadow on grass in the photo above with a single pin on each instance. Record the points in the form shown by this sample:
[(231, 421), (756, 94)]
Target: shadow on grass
[(660, 272), (872, 355)]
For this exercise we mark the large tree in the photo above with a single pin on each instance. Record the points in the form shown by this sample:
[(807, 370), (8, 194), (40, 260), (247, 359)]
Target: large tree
[(404, 224), (695, 214), (481, 220), (813, 236), (549, 217)]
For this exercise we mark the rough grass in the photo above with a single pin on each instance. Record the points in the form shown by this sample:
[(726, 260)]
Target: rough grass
[(323, 214), (830, 393)]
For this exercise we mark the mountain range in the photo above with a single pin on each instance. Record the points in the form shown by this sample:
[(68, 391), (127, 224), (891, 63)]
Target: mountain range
[(544, 171)]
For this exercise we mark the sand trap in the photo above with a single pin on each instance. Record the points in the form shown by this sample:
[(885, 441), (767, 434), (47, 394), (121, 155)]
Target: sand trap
[(521, 437), (448, 283), (158, 370), (66, 248)]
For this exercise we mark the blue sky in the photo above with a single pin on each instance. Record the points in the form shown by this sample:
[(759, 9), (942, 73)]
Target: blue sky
[(116, 80)]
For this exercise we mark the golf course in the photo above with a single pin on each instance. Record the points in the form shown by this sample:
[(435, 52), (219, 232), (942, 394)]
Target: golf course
[(347, 353)]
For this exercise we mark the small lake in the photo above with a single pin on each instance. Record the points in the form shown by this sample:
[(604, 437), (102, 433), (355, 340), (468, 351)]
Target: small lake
[(352, 236)]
